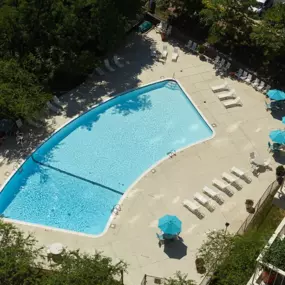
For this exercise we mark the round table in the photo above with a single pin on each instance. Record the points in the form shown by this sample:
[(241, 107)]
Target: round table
[(56, 248)]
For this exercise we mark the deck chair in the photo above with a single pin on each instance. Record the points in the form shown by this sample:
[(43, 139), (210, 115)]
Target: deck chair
[(260, 86), (239, 73), (221, 87), (117, 61), (108, 66), (248, 79), (222, 63), (266, 89), (57, 102), (164, 52), (204, 201), (213, 194), (231, 180), (194, 208), (194, 47), (227, 95), (153, 52), (19, 123), (189, 44), (223, 187), (233, 103), (175, 54), (52, 107), (241, 174), (244, 75), (160, 239), (99, 71), (33, 123), (217, 59), (255, 82), (228, 65)]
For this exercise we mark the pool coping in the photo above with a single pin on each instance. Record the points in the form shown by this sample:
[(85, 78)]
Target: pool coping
[(113, 215)]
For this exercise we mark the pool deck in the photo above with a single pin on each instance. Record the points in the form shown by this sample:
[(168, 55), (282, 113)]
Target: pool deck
[(239, 131)]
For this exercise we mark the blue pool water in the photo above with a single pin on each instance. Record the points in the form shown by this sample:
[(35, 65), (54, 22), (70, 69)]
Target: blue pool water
[(75, 178)]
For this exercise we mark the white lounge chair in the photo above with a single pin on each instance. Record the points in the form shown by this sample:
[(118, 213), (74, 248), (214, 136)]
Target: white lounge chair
[(255, 83), (221, 64), (248, 79), (267, 88), (233, 102), (99, 71), (224, 86), (204, 202), (239, 73), (194, 47), (227, 95), (231, 180), (159, 27), (108, 66), (189, 44), (222, 186), (228, 65), (175, 54), (56, 101), (241, 174), (260, 86), (213, 194), (153, 52), (217, 59), (244, 75), (164, 52), (52, 108), (117, 61), (194, 208)]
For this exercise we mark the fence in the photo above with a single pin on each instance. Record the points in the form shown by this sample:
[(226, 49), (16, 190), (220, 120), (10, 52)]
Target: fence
[(269, 192), (152, 280)]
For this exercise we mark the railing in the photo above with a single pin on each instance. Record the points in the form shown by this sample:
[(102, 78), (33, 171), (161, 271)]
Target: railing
[(269, 192), (152, 280)]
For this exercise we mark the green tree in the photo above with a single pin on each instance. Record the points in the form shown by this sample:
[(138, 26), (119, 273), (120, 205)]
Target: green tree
[(21, 95), (275, 254), (269, 33), (179, 279), (228, 21)]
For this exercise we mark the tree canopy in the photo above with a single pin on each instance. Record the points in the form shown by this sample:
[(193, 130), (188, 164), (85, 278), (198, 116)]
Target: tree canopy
[(54, 43), (22, 262)]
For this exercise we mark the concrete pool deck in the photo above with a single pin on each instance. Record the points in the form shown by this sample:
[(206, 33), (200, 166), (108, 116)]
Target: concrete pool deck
[(239, 131)]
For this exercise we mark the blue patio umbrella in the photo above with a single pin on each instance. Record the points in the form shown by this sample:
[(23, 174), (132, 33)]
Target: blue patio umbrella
[(278, 136), (276, 95), (170, 225), (283, 120)]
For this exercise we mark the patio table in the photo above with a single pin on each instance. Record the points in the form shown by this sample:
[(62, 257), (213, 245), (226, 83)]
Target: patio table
[(56, 248)]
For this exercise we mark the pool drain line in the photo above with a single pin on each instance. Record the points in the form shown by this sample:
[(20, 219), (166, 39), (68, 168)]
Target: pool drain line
[(76, 176)]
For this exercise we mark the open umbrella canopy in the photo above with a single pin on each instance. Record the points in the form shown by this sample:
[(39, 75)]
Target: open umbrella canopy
[(277, 136), (283, 120), (276, 95), (170, 224)]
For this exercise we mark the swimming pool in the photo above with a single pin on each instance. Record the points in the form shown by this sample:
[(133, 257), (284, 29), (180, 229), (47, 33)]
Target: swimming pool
[(74, 179)]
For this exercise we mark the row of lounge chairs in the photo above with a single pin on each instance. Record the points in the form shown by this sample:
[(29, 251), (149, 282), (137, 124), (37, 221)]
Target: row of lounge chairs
[(229, 98), (192, 46), (221, 65), (211, 196), (108, 66), (257, 84), (164, 54)]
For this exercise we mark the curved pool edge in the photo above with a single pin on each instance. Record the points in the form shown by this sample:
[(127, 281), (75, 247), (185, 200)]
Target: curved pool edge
[(112, 216)]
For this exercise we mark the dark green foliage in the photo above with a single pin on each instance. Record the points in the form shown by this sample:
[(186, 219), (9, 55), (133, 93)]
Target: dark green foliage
[(179, 279), (22, 263), (275, 254), (57, 42)]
